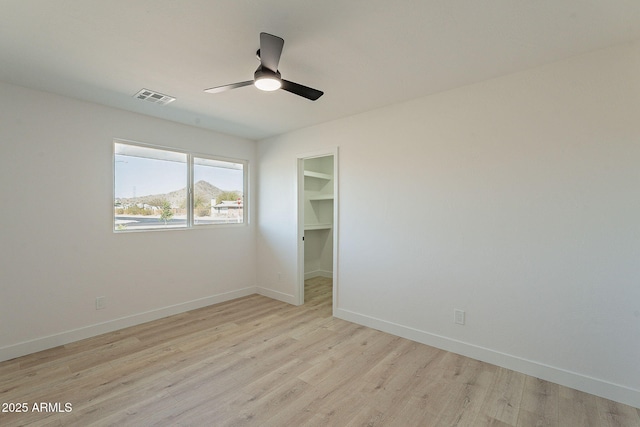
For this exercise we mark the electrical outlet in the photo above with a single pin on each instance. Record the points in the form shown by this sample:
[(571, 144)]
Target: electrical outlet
[(101, 303), (458, 316)]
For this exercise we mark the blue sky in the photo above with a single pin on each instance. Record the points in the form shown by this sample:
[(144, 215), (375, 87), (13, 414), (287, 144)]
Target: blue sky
[(138, 176)]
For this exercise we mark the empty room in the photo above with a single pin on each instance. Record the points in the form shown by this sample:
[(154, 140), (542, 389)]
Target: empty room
[(278, 213)]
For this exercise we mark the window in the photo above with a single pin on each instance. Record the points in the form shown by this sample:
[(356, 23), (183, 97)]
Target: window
[(158, 188), (218, 191)]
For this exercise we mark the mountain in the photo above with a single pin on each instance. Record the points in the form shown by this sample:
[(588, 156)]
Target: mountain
[(202, 189)]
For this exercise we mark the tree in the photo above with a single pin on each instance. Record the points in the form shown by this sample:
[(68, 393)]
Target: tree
[(157, 203), (200, 206), (166, 214), (228, 195)]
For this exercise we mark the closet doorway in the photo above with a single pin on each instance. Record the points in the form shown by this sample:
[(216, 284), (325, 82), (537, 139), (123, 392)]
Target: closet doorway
[(317, 227)]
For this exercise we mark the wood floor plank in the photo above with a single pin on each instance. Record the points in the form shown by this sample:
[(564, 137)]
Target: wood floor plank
[(539, 405), (577, 408), (367, 416), (465, 393), (416, 411), (255, 361), (502, 402), (613, 414)]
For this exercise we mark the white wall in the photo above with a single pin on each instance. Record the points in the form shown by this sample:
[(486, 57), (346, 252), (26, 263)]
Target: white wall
[(516, 200), (57, 248)]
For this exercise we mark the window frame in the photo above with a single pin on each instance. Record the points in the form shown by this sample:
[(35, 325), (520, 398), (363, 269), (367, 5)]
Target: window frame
[(189, 180)]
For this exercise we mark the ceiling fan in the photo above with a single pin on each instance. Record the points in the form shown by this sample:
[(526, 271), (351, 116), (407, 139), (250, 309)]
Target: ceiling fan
[(267, 77)]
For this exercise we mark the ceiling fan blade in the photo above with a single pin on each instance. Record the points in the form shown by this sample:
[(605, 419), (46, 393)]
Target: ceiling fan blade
[(301, 90), (224, 88), (270, 51)]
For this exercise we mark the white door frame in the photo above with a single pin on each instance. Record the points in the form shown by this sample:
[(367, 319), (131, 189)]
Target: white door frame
[(331, 151)]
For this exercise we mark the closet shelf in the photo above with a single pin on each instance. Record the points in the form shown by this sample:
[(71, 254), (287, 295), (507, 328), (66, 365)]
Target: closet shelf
[(318, 175), (321, 197), (317, 226)]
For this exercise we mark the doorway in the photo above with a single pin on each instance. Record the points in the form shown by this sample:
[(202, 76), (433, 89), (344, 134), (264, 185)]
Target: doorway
[(317, 226)]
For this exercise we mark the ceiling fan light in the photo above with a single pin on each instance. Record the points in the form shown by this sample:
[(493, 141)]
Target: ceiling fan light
[(267, 83)]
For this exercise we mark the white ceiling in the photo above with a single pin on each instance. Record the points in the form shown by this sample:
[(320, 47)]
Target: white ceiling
[(363, 54)]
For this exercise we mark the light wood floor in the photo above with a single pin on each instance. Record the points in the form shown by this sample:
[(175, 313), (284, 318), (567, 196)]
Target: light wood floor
[(259, 362)]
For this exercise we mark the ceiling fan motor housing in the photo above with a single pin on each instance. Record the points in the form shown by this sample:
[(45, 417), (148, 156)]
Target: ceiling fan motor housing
[(266, 79)]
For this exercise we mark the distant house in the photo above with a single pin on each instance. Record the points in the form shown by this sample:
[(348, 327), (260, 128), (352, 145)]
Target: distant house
[(226, 205)]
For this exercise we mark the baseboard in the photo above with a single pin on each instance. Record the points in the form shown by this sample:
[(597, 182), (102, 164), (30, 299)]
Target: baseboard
[(44, 343), (318, 273), (616, 392), (280, 296)]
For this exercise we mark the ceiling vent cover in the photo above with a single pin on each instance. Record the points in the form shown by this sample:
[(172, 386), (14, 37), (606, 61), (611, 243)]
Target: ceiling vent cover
[(155, 97)]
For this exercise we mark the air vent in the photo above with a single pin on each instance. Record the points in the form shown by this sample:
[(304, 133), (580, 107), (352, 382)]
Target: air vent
[(155, 97)]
